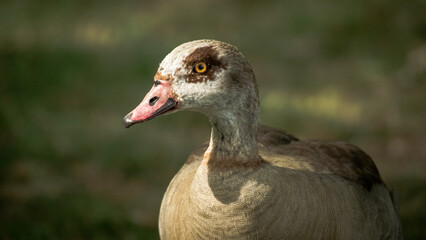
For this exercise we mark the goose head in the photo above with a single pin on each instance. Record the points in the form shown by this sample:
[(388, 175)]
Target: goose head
[(207, 76)]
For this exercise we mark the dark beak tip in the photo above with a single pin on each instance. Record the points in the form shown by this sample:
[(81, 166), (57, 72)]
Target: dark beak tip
[(127, 121)]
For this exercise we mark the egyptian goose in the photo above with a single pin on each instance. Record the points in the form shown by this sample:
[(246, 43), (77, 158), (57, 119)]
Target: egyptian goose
[(251, 181)]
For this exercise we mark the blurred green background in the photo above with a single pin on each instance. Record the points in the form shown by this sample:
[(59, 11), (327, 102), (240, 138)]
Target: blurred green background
[(70, 70)]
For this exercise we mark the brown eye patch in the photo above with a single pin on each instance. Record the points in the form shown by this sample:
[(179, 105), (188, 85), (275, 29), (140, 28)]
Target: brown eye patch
[(207, 55)]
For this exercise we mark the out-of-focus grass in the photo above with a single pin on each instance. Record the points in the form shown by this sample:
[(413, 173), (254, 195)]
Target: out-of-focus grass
[(69, 71), (411, 195)]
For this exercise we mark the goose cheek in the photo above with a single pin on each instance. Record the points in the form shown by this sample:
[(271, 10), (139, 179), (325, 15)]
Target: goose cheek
[(158, 101)]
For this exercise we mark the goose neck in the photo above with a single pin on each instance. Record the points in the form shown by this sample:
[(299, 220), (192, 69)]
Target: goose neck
[(233, 141)]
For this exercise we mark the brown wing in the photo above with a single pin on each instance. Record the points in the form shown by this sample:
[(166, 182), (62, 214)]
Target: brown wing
[(347, 161), (269, 136), (339, 158)]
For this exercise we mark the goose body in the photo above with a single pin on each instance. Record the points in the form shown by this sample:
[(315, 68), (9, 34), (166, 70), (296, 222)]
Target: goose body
[(252, 181)]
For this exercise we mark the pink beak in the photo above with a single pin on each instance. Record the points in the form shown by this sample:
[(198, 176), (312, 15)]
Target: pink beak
[(159, 100)]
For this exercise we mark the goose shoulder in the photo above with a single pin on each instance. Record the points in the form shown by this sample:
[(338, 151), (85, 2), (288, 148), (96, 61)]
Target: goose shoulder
[(318, 156)]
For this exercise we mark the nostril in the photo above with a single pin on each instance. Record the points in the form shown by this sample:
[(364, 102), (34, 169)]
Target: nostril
[(153, 100)]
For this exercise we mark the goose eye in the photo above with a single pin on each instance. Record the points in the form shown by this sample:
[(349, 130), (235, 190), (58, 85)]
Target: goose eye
[(200, 67)]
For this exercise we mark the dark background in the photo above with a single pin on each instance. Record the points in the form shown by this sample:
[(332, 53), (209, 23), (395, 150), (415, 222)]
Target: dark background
[(70, 70)]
